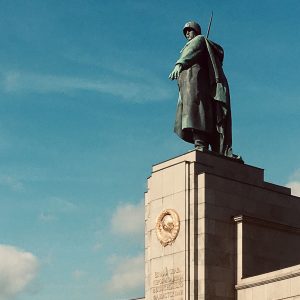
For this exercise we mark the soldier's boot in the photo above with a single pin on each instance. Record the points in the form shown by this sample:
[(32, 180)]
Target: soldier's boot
[(200, 141), (200, 145)]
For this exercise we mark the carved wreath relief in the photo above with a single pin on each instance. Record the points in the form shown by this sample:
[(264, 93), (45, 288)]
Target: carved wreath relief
[(167, 226)]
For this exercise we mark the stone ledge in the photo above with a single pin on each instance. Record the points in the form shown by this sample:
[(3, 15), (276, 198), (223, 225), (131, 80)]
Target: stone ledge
[(277, 188), (270, 277), (208, 162), (266, 223)]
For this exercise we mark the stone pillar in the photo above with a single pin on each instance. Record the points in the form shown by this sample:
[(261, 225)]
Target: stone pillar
[(169, 251), (190, 234)]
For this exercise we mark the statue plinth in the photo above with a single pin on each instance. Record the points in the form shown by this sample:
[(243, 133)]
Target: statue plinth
[(208, 219)]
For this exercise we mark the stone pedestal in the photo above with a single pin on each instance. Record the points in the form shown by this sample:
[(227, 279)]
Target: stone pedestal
[(212, 221)]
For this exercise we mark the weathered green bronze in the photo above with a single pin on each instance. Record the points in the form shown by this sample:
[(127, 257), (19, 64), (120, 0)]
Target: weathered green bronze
[(203, 114)]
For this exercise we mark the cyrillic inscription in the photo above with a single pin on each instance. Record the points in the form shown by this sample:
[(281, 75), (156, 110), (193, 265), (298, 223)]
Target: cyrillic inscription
[(168, 284)]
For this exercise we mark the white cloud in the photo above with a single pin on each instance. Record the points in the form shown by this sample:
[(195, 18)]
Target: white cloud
[(78, 274), (46, 217), (294, 183), (134, 89), (11, 182), (97, 247), (295, 187), (56, 206), (128, 275), (62, 205), (128, 219), (11, 81), (17, 269)]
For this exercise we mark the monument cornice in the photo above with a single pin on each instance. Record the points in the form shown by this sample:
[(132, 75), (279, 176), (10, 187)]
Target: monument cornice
[(266, 223)]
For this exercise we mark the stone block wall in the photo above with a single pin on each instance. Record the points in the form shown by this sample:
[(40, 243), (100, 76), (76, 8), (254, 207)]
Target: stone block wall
[(283, 284), (211, 253)]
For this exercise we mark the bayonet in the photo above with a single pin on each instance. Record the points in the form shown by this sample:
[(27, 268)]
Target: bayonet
[(210, 21)]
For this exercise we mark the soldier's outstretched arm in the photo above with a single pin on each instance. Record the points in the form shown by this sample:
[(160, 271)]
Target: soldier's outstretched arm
[(176, 71)]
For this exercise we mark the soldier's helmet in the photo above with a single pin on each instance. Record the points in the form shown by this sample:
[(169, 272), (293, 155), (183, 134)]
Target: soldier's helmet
[(194, 25)]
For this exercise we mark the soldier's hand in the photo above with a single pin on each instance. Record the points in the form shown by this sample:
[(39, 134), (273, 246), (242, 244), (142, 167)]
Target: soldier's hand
[(175, 73)]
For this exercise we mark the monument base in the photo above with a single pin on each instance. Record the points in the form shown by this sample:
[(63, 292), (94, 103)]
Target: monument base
[(212, 224)]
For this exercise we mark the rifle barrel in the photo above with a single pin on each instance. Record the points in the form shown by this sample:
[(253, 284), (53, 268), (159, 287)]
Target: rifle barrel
[(209, 25)]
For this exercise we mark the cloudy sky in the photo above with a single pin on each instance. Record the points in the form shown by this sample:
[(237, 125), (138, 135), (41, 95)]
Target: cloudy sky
[(87, 109)]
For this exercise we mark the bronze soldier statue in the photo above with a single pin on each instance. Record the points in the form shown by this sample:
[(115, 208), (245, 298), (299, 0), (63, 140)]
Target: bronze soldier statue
[(203, 114)]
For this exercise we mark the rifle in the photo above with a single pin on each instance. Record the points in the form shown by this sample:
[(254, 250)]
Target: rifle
[(210, 21)]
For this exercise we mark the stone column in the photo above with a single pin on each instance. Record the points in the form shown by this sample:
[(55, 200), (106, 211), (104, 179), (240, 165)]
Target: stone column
[(170, 221)]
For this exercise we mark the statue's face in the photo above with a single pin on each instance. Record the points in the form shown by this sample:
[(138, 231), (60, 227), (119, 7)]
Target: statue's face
[(190, 34)]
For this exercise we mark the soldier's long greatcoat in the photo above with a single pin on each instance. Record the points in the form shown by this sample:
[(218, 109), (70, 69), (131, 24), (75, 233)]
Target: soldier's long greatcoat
[(204, 100)]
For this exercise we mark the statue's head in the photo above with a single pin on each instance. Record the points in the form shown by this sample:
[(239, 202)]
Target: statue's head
[(191, 29)]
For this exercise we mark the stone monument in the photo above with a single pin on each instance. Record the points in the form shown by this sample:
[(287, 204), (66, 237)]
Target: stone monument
[(214, 228)]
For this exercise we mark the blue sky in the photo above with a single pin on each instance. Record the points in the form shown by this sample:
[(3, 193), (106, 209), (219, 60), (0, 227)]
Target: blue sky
[(87, 109)]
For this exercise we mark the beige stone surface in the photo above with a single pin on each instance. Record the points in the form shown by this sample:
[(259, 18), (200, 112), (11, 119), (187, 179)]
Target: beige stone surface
[(211, 251), (176, 200), (259, 292), (276, 285), (209, 163), (295, 285), (279, 289)]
